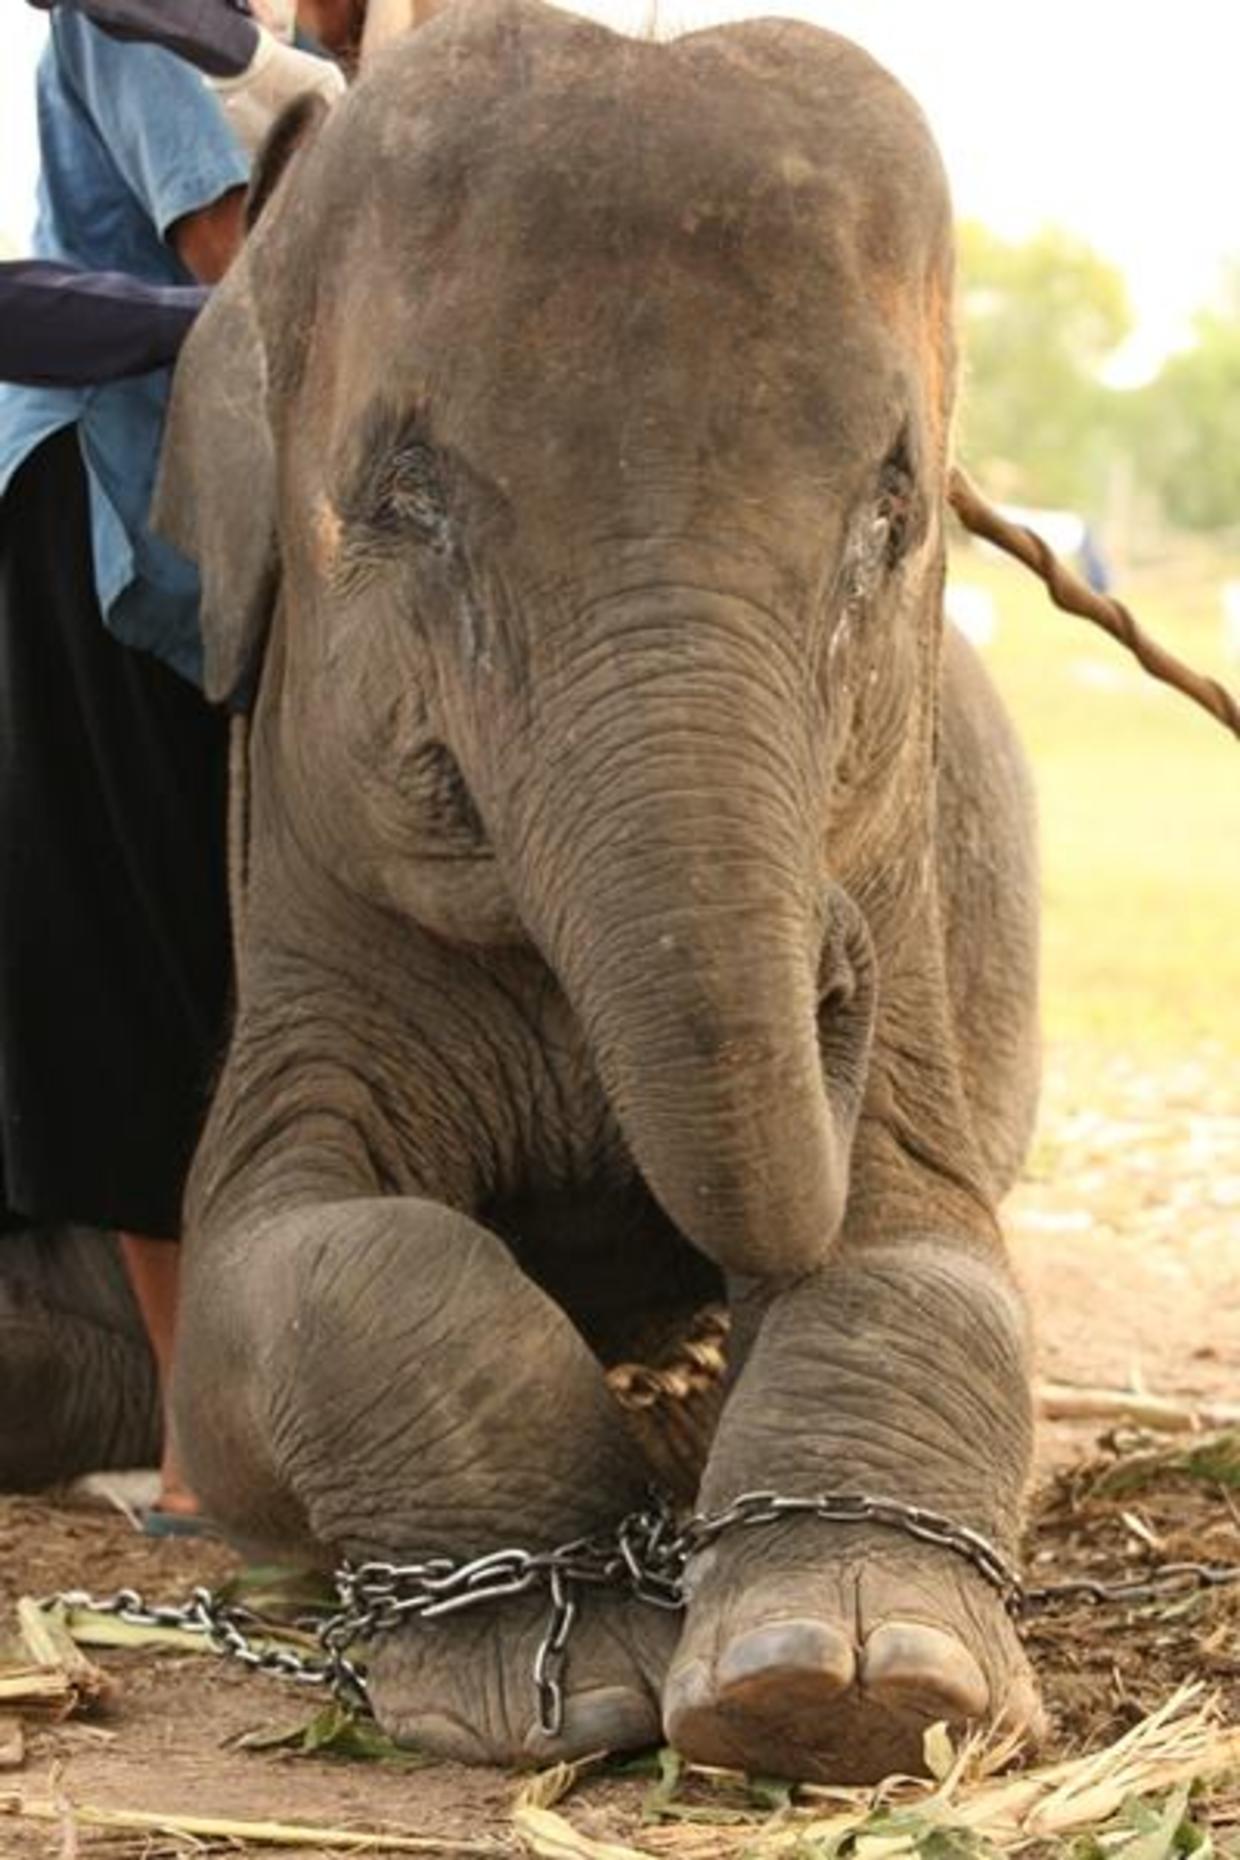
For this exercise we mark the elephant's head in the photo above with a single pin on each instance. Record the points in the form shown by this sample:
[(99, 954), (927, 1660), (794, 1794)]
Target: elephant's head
[(579, 411)]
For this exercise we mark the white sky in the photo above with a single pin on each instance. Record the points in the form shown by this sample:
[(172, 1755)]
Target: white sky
[(1119, 121)]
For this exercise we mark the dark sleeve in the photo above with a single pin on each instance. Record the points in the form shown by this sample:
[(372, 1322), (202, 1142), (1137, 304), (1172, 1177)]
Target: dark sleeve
[(60, 327), (219, 36)]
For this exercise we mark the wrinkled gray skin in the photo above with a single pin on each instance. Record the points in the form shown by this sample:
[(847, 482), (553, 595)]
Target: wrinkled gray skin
[(78, 1388), (640, 893)]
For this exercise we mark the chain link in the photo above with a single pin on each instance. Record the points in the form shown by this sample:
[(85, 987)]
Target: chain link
[(228, 1627), (1169, 1579), (648, 1556), (857, 1508)]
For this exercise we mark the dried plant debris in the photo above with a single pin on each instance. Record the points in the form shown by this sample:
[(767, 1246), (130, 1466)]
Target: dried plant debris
[(1136, 1506), (42, 1691), (1139, 1799), (52, 1677), (239, 1834), (1137, 1465), (12, 1743)]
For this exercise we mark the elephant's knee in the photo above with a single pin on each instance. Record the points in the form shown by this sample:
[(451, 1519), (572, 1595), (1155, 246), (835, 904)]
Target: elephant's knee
[(419, 1389)]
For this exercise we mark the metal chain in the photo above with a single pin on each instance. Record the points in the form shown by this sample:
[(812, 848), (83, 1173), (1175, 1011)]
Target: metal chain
[(647, 1556), (228, 1626), (857, 1508), (642, 1557), (1168, 1579)]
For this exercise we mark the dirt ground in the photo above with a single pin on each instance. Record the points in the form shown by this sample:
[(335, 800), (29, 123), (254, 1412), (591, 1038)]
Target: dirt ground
[(1127, 1232), (1126, 1227)]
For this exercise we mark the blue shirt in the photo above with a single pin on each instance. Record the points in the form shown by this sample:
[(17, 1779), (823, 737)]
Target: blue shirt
[(131, 141)]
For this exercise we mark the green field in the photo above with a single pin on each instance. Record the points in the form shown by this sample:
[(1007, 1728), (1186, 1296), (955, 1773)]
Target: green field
[(1140, 804)]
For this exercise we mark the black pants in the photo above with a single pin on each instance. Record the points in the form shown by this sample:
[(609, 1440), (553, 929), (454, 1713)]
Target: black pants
[(114, 950)]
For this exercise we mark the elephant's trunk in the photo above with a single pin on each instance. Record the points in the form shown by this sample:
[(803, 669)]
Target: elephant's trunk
[(670, 873)]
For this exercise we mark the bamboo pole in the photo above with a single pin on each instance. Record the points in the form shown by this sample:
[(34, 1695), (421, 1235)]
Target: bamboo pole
[(1064, 1401)]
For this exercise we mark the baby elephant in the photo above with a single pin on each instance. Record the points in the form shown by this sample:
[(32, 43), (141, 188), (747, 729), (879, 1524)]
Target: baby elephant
[(638, 899)]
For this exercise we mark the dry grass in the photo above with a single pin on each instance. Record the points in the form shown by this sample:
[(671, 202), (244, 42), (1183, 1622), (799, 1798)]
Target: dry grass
[(1131, 1797), (191, 1832)]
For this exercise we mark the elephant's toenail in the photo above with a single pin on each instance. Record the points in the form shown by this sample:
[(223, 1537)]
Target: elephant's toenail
[(792, 1654), (926, 1668)]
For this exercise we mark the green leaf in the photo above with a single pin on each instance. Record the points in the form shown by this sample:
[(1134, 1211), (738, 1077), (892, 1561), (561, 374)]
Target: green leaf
[(278, 1592), (882, 1846), (952, 1844), (770, 1792), (815, 1847), (644, 1763), (1212, 1461), (1216, 1459), (1156, 1830), (939, 1751), (272, 1737), (335, 1732), (658, 1798), (1086, 1847)]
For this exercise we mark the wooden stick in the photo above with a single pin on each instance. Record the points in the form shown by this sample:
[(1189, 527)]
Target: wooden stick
[(264, 1833), (1072, 596), (1063, 1401), (37, 1689), (48, 1640)]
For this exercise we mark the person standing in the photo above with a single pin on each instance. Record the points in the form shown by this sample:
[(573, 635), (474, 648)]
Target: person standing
[(114, 945), (114, 949), (62, 325)]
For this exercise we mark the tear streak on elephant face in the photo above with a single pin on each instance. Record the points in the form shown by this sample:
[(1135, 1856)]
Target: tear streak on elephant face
[(608, 387)]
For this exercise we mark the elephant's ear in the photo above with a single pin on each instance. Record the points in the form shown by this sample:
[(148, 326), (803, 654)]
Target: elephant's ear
[(215, 497)]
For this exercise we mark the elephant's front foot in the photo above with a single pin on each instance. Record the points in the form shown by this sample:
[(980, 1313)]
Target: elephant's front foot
[(825, 1652), (463, 1687)]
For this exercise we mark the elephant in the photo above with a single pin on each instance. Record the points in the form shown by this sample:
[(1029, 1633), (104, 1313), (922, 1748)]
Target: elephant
[(636, 886), (79, 1390)]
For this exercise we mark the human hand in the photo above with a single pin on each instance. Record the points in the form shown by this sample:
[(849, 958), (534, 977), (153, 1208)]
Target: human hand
[(276, 74)]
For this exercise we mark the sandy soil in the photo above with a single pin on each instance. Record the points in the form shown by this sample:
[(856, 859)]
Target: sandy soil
[(1127, 1232)]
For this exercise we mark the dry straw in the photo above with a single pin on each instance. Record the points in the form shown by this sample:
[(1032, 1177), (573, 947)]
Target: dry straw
[(969, 1807)]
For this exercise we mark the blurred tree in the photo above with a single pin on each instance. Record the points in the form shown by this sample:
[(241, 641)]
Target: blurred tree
[(1187, 423), (1040, 320)]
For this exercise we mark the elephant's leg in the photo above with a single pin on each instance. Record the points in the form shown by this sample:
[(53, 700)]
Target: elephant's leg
[(78, 1389), (986, 851), (818, 1650), (410, 1391)]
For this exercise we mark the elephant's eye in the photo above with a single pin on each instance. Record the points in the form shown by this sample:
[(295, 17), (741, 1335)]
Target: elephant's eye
[(884, 529), (410, 496), (394, 486), (892, 523)]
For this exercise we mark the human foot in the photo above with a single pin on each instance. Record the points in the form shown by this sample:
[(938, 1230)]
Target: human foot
[(175, 1496), (825, 1652)]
